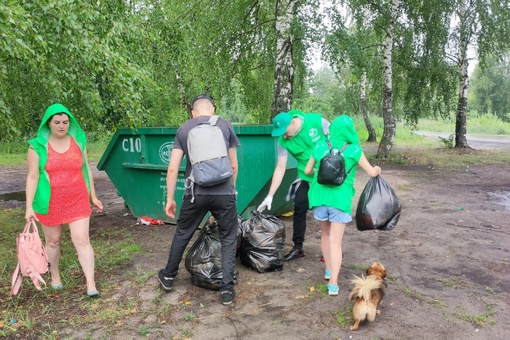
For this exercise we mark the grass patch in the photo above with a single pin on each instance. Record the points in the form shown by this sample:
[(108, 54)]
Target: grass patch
[(393, 279), (144, 331), (476, 124), (189, 316), (322, 287), (186, 333), (69, 307), (454, 282), (344, 317), (360, 267), (480, 320), (443, 159), (316, 289), (95, 150), (419, 297)]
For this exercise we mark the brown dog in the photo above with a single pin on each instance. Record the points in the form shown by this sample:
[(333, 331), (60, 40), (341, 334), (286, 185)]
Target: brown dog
[(367, 294)]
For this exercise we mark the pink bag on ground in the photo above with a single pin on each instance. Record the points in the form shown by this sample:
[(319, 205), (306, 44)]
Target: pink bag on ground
[(32, 258)]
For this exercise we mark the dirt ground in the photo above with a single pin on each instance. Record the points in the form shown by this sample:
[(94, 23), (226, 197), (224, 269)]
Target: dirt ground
[(448, 264)]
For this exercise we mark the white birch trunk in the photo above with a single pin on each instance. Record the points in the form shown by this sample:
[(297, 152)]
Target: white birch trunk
[(182, 95), (460, 122), (388, 137), (363, 92), (284, 68)]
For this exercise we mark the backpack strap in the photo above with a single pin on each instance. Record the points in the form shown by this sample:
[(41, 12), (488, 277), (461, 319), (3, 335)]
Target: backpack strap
[(213, 120), (340, 152), (329, 145), (16, 281), (35, 277), (343, 148)]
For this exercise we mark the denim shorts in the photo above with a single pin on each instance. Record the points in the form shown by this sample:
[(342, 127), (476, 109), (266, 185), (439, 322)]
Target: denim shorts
[(331, 214)]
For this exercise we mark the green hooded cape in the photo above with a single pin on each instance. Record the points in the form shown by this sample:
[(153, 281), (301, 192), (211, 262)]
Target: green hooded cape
[(40, 145)]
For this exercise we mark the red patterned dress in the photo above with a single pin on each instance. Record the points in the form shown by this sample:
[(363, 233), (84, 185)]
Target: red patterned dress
[(69, 200)]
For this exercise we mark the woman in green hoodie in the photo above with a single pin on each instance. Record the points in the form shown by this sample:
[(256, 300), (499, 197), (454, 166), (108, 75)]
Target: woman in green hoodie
[(60, 189), (332, 205)]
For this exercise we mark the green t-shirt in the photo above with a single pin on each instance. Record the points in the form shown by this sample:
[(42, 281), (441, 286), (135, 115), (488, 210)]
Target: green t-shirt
[(339, 197), (301, 146)]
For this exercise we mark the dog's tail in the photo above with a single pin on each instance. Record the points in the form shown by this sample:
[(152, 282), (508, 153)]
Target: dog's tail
[(363, 286)]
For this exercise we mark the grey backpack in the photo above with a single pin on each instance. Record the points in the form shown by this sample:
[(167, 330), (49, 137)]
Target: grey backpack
[(208, 154)]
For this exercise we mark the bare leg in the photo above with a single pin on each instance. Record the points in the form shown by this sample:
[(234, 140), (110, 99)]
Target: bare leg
[(325, 243), (80, 237), (335, 245), (53, 237)]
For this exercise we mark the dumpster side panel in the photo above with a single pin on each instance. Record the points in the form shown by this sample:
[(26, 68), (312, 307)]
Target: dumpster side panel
[(258, 156), (137, 160)]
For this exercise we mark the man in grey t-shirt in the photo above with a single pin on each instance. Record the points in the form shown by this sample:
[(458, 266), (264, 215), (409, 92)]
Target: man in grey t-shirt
[(220, 200)]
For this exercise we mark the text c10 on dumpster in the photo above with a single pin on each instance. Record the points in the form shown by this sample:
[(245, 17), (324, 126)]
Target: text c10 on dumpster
[(132, 144)]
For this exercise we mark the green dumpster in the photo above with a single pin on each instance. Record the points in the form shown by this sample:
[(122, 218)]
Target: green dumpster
[(136, 161)]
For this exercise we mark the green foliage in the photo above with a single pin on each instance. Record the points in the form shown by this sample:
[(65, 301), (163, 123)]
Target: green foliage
[(126, 64), (489, 88), (140, 63), (65, 54), (324, 96), (448, 142), (354, 47), (13, 147)]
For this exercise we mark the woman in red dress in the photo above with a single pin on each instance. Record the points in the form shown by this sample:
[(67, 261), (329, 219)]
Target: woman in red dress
[(60, 188)]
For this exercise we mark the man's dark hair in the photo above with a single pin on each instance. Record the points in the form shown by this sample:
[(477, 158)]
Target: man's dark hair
[(201, 96)]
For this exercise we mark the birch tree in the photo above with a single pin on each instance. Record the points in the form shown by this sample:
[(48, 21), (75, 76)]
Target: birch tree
[(356, 45), (285, 13), (372, 137), (388, 137), (378, 19), (482, 26)]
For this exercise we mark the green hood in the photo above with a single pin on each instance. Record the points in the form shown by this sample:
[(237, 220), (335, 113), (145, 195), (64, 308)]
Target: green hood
[(342, 131), (43, 133), (40, 146)]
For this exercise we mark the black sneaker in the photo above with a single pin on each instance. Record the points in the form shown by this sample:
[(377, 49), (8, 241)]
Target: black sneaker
[(167, 283), (294, 253), (227, 296)]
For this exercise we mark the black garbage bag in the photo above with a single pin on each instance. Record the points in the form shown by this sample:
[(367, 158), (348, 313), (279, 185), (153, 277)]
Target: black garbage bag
[(263, 242), (203, 261), (378, 206), (240, 220)]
